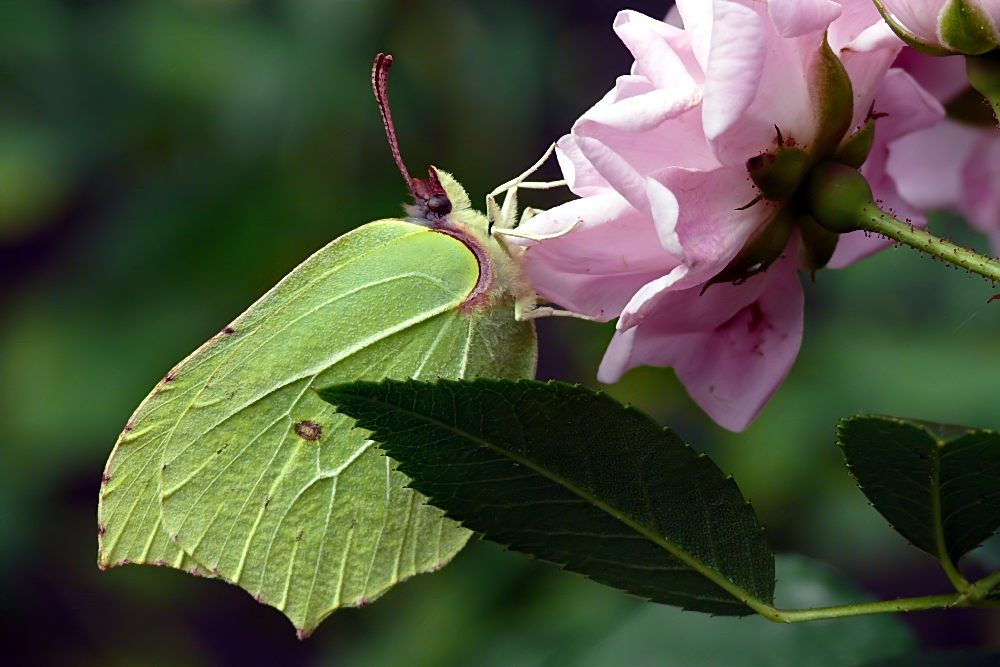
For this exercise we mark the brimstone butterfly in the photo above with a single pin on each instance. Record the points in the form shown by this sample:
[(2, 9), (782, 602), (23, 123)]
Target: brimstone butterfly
[(232, 467)]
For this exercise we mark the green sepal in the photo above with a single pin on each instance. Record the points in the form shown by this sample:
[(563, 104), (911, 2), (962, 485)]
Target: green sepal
[(966, 28), (921, 45), (984, 75), (760, 251), (833, 98), (572, 477), (855, 149), (836, 195), (818, 244), (778, 173)]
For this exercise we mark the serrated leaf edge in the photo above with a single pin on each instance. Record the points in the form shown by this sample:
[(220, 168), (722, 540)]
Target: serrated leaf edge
[(759, 606)]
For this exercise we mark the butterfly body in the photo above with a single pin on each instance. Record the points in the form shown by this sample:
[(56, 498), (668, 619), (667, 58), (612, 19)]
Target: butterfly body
[(501, 275)]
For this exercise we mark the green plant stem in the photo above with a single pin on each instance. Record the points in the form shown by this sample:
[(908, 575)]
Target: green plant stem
[(974, 596), (875, 220), (979, 590), (864, 608)]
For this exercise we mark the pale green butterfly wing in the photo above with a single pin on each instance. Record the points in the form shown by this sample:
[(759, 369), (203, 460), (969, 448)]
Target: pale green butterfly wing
[(130, 529), (262, 482)]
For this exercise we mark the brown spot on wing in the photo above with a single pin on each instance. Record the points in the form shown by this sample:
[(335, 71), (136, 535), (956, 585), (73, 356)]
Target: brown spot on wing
[(308, 430)]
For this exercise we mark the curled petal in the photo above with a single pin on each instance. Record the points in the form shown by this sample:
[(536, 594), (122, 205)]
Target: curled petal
[(629, 85), (861, 28), (697, 16), (680, 310), (766, 81), (735, 65), (650, 297), (705, 223), (875, 37), (624, 158), (654, 57), (580, 175), (623, 175), (733, 368), (647, 111), (792, 18), (598, 266), (867, 48), (665, 208), (867, 72)]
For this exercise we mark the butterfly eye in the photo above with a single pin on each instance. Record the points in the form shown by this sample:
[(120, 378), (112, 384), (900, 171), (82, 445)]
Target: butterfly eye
[(439, 204)]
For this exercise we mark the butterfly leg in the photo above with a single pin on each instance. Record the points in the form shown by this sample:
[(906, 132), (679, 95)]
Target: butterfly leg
[(536, 237), (528, 309), (506, 216)]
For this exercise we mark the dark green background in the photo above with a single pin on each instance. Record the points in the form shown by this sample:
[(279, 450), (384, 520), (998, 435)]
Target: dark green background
[(163, 162)]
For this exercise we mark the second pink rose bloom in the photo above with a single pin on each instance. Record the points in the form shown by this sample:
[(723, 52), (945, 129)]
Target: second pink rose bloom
[(660, 164), (956, 163)]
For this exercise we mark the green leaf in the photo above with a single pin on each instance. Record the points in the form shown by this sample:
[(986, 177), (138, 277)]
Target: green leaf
[(657, 636), (233, 467), (938, 485), (572, 477)]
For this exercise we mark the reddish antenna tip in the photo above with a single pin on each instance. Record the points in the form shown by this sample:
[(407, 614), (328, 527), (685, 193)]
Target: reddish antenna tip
[(431, 200), (380, 82)]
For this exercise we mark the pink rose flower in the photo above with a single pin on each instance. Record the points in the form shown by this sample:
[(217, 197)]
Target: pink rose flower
[(943, 26), (954, 164), (661, 166)]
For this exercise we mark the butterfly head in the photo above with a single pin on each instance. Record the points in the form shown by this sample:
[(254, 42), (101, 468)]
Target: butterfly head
[(430, 199)]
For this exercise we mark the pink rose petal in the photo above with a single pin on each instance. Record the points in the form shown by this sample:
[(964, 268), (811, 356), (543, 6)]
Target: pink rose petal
[(793, 18), (735, 65), (733, 368), (597, 267)]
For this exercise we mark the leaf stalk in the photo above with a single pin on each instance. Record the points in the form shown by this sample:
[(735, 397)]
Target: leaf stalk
[(955, 576)]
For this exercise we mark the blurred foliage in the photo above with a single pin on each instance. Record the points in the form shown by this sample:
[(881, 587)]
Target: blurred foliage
[(163, 162)]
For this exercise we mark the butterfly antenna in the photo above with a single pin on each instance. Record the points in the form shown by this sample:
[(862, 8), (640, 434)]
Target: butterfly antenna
[(431, 202), (380, 80)]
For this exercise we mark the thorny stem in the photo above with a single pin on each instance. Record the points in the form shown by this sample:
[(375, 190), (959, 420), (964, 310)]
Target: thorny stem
[(974, 596), (875, 220), (981, 588)]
